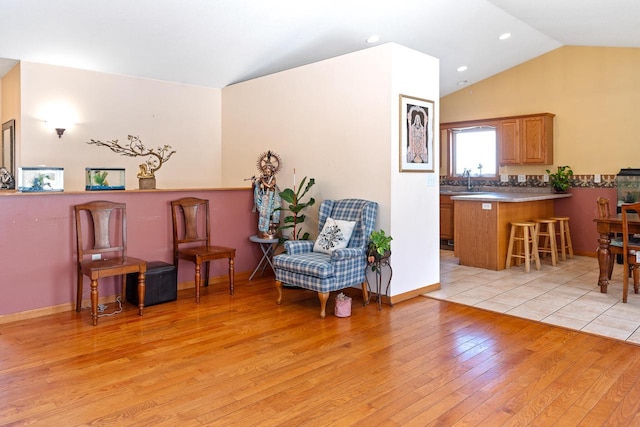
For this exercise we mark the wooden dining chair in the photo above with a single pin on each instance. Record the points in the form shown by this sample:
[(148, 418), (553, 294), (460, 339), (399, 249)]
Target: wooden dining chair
[(615, 247), (101, 231), (192, 239), (631, 250), (603, 208)]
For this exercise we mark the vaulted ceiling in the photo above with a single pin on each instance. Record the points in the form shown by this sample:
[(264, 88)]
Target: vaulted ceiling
[(215, 43)]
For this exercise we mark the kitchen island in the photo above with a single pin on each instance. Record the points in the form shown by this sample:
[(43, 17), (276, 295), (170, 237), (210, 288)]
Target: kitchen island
[(482, 223)]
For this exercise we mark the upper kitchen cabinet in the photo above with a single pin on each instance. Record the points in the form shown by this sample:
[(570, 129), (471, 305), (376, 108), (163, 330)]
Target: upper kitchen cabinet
[(517, 140), (525, 140)]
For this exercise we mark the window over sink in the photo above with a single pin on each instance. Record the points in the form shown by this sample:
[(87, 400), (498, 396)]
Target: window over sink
[(474, 151)]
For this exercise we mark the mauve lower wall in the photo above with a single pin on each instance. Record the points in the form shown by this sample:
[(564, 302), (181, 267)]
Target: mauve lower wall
[(37, 240), (582, 210)]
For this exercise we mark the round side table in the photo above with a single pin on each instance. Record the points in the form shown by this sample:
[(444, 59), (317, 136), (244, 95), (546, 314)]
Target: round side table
[(267, 246)]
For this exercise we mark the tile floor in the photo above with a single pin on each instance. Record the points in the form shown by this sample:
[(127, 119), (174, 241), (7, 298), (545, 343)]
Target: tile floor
[(565, 295)]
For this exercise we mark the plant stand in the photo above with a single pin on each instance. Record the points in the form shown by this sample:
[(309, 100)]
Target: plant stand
[(376, 267)]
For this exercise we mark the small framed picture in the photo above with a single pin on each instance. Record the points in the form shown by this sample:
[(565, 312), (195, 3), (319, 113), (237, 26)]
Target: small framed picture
[(416, 134)]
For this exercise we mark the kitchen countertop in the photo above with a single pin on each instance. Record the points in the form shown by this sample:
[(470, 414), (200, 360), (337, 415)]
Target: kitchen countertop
[(508, 197), (482, 222)]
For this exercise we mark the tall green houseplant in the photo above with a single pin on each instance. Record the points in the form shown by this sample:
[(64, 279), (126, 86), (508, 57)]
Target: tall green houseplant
[(296, 206)]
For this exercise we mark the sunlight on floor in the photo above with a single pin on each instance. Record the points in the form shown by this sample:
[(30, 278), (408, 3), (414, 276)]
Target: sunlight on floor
[(565, 295)]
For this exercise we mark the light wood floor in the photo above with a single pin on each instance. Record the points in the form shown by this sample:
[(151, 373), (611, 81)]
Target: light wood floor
[(245, 361), (564, 295)]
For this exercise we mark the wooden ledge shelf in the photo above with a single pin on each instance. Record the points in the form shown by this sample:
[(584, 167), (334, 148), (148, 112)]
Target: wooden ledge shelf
[(77, 192)]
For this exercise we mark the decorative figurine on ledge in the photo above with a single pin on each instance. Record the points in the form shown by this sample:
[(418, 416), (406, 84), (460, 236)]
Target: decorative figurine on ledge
[(135, 148), (266, 195), (7, 182)]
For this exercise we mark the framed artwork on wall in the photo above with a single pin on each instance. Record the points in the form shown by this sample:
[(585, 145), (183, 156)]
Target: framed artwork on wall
[(416, 134)]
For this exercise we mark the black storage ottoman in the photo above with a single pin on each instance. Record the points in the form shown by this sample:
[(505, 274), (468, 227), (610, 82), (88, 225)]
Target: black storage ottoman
[(161, 284)]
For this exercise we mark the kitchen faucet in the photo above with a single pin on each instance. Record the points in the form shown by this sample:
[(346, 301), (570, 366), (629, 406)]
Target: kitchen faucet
[(467, 173)]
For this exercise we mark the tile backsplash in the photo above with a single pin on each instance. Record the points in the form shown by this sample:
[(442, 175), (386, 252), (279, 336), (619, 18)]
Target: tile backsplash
[(535, 181)]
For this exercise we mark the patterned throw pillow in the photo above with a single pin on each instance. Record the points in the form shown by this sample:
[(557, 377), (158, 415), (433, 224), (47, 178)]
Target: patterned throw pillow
[(334, 235)]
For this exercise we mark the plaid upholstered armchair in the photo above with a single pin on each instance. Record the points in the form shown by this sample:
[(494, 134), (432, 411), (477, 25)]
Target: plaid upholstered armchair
[(335, 260)]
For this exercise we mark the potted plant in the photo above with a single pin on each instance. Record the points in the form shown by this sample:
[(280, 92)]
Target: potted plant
[(379, 247), (296, 206), (561, 180)]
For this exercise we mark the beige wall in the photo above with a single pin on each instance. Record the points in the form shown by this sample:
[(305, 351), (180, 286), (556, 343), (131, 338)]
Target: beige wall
[(415, 217), (11, 103), (593, 91), (11, 94), (109, 106), (337, 121), (328, 120)]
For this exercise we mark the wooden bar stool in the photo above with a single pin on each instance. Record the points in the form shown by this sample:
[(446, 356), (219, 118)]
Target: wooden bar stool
[(565, 236), (523, 233), (546, 228)]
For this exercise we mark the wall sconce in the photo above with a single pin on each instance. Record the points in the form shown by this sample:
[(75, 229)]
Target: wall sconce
[(59, 116), (59, 125)]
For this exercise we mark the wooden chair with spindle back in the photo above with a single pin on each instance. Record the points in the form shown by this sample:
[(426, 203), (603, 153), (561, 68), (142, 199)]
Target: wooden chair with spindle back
[(615, 247), (603, 208), (102, 250), (630, 247), (192, 239)]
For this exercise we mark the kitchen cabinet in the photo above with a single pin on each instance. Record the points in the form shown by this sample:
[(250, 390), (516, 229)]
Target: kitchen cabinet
[(520, 140), (526, 140), (446, 218)]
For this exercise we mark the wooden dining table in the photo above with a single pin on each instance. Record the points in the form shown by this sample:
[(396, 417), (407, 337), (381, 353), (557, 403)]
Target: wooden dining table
[(607, 227)]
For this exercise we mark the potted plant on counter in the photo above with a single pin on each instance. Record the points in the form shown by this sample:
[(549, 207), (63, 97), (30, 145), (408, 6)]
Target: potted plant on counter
[(561, 180)]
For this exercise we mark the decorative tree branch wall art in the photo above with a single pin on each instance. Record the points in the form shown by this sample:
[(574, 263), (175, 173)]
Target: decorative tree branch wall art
[(135, 148)]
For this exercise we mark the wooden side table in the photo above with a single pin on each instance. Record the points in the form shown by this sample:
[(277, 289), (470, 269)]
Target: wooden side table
[(267, 246)]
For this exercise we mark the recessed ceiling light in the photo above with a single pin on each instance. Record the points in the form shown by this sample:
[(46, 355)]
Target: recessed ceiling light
[(504, 36), (373, 38), (462, 68), (462, 82)]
